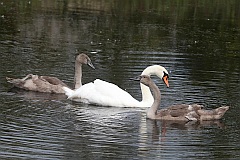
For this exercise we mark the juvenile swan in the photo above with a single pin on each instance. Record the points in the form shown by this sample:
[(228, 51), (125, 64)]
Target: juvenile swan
[(50, 84), (181, 112), (108, 94)]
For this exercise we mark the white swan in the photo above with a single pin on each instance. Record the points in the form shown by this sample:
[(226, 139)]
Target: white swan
[(107, 94), (49, 84)]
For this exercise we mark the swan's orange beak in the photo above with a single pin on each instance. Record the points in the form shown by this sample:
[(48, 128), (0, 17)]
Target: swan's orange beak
[(165, 80)]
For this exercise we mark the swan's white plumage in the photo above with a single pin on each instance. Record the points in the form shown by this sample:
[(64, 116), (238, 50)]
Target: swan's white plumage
[(107, 94), (68, 91)]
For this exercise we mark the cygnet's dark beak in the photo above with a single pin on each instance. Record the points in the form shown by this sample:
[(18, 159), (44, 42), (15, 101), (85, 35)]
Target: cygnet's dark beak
[(90, 64)]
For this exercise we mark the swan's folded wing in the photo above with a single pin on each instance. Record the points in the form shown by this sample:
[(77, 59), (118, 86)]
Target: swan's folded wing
[(105, 93), (102, 93), (114, 95), (111, 90)]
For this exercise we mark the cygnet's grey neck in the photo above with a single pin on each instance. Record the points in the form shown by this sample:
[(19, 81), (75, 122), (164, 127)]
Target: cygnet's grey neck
[(152, 111), (78, 75)]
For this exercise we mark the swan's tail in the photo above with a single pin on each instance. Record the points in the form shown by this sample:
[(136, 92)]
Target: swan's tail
[(68, 92)]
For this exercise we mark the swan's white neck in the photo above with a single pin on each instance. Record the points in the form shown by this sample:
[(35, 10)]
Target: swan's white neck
[(146, 93), (78, 75)]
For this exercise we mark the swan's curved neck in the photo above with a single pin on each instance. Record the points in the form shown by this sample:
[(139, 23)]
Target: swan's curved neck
[(78, 75), (152, 111), (146, 94), (151, 70)]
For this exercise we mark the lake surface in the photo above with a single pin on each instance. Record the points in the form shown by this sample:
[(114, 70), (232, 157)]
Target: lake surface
[(198, 42)]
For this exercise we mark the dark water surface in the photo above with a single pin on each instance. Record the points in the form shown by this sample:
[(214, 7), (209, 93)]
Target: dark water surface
[(198, 42)]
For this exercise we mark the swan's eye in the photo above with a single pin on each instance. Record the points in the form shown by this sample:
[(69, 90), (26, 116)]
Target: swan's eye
[(165, 75)]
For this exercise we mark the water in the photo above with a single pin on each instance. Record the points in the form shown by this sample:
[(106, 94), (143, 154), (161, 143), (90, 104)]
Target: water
[(197, 42)]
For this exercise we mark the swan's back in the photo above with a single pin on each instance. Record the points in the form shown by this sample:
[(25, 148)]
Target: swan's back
[(103, 93)]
